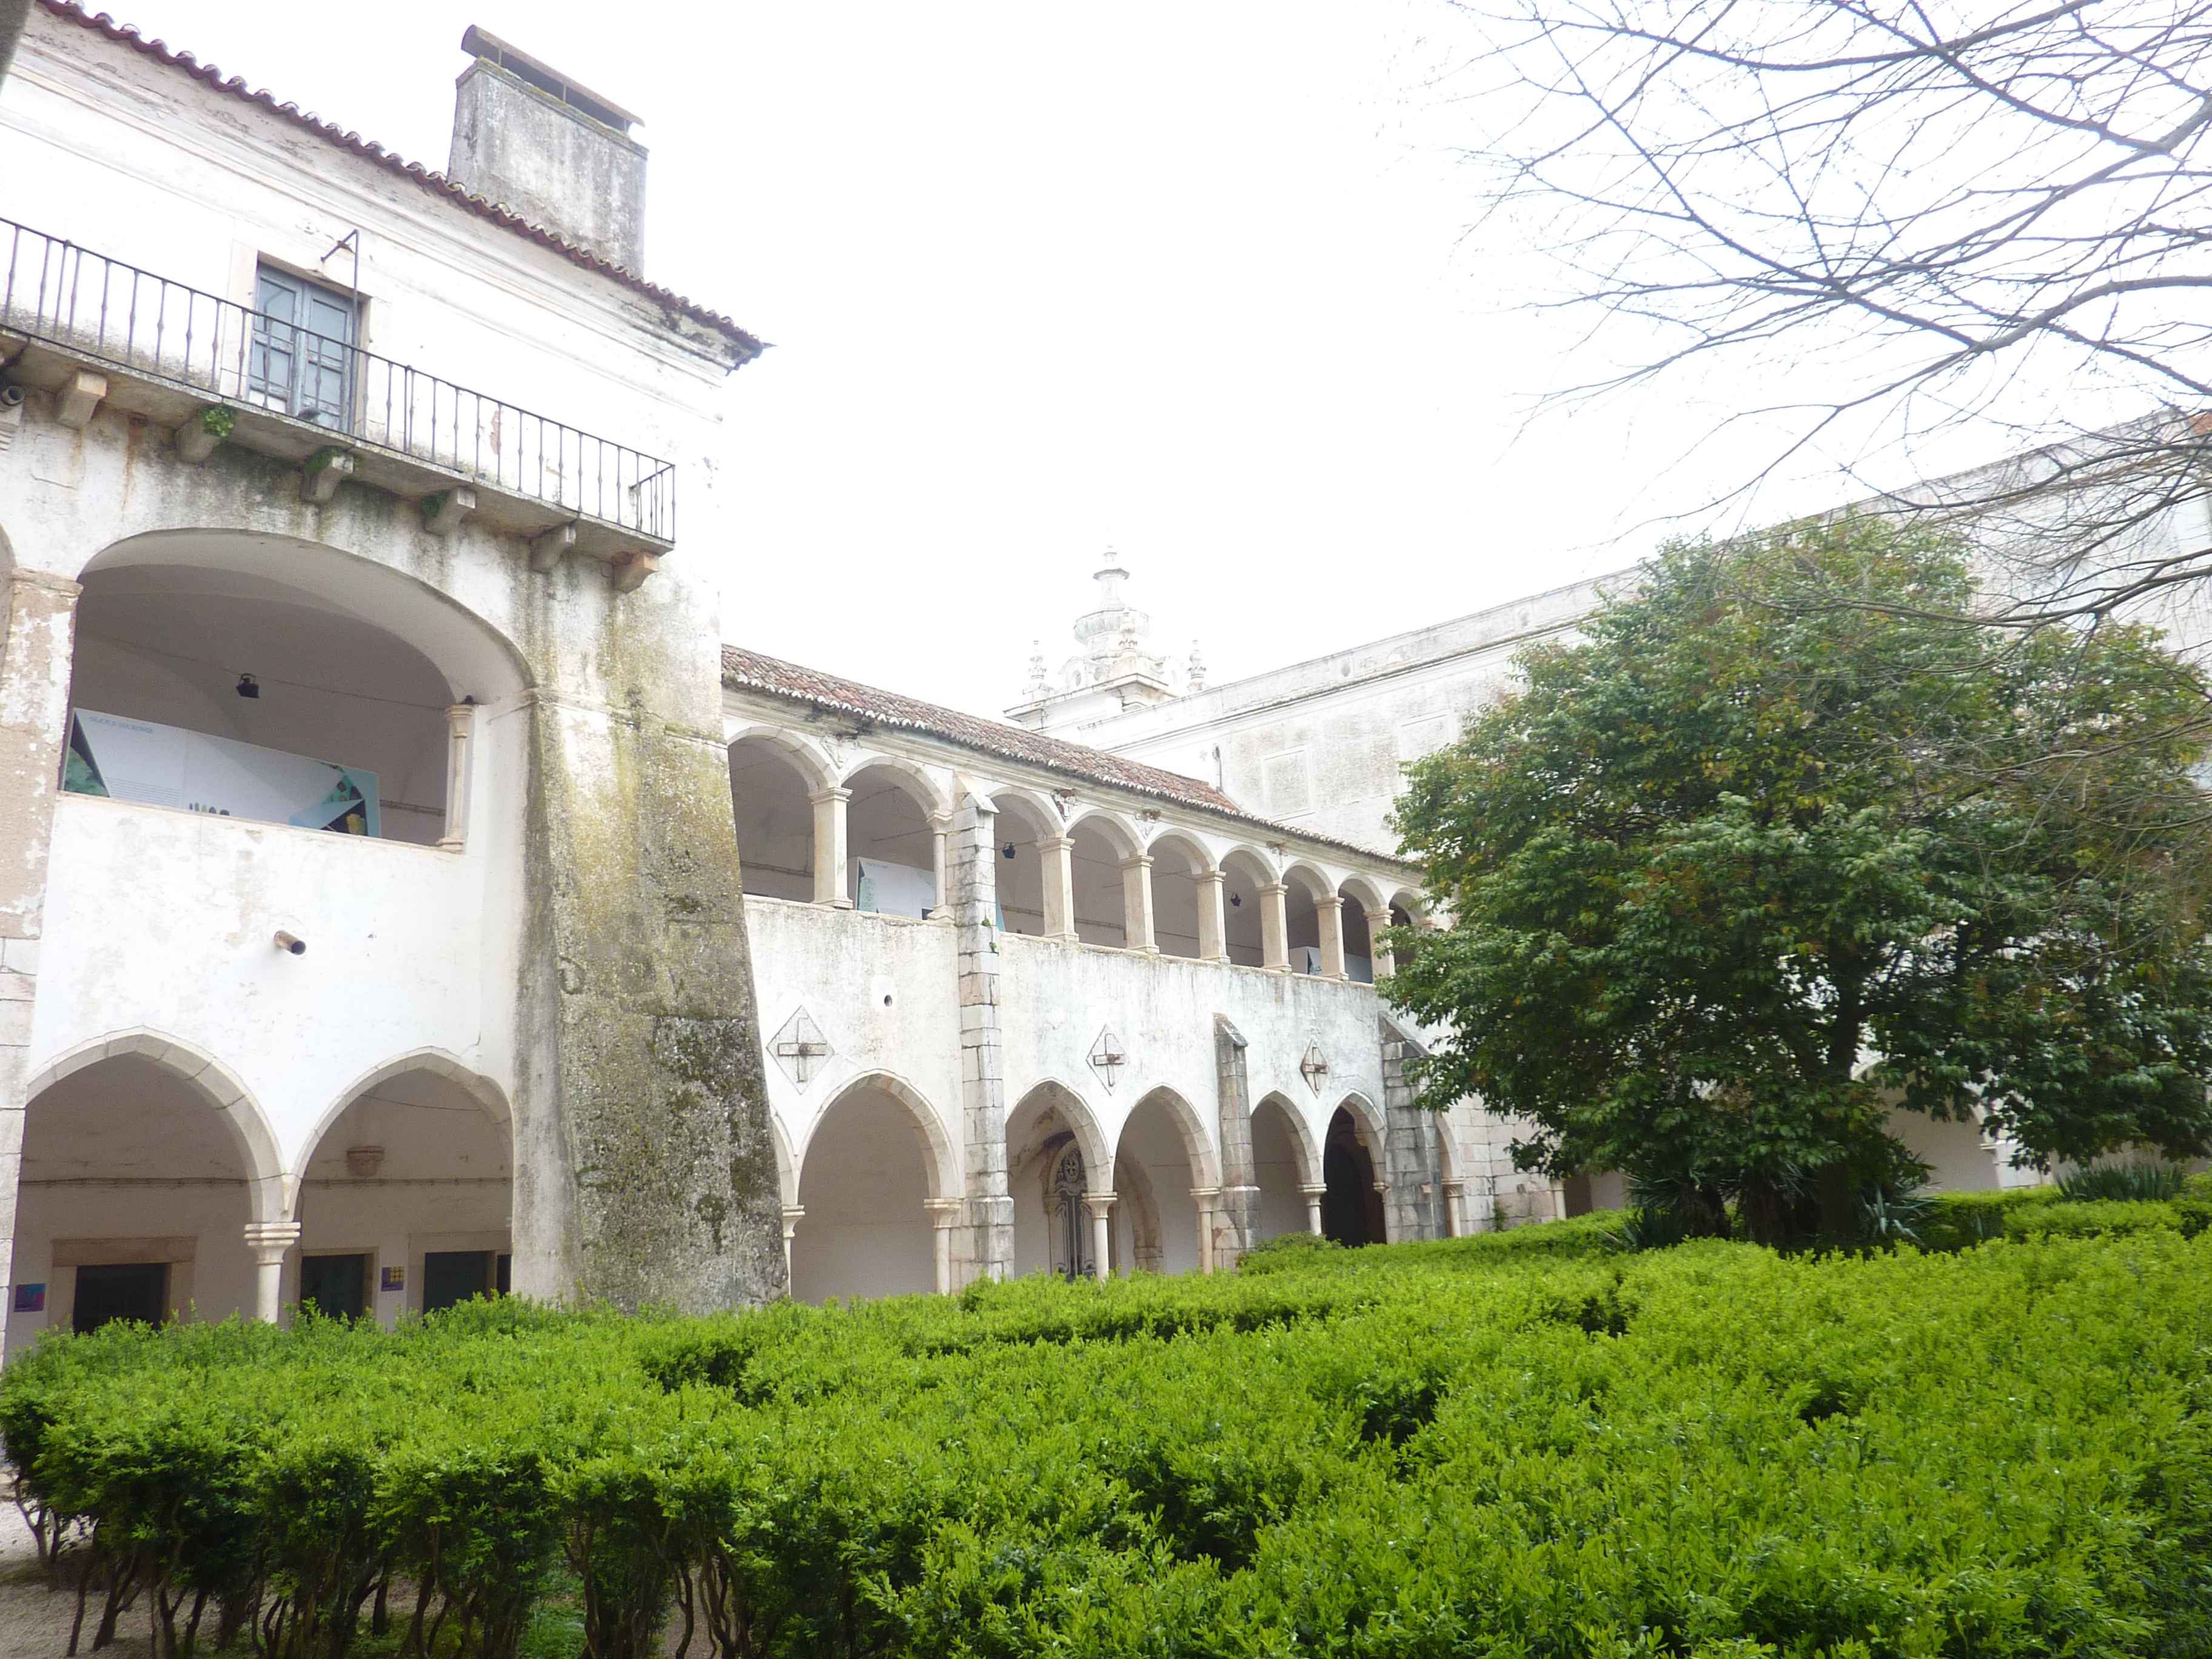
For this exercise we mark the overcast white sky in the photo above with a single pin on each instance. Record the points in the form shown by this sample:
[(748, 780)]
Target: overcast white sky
[(1193, 279)]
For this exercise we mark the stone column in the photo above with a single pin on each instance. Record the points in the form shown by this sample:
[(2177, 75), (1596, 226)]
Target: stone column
[(1206, 1198), (1099, 1206), (644, 1161), (270, 1243), (1313, 1196), (1275, 928), (1410, 1157), (36, 636), (460, 722), (829, 847), (1057, 854), (990, 1205), (941, 837), (1455, 1207), (1385, 963), (1137, 904), (1328, 911), (1233, 1097), (1212, 920), (945, 1216), (793, 1215)]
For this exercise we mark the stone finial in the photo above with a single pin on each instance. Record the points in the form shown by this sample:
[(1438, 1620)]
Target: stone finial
[(1128, 644), (1197, 682), (1039, 686)]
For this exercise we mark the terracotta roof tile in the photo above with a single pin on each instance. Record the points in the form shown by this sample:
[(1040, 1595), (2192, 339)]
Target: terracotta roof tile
[(751, 670), (436, 183)]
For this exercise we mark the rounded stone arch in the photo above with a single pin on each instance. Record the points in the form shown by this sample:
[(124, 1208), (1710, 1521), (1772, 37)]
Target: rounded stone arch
[(1114, 827), (1255, 861), (1082, 1121), (930, 792), (1365, 889), (6, 552), (233, 1104), (1409, 900), (1042, 812), (439, 1062), (1303, 1147), (477, 657), (1200, 856), (938, 1162), (1306, 874), (1190, 1127), (806, 757)]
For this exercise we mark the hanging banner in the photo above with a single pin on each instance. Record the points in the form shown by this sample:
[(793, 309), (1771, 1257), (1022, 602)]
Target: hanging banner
[(167, 766), (894, 890)]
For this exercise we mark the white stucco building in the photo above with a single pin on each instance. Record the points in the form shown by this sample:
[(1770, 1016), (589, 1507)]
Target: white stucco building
[(1321, 746), (392, 859)]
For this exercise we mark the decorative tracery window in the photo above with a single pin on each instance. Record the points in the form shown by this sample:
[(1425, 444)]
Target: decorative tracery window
[(1072, 1257)]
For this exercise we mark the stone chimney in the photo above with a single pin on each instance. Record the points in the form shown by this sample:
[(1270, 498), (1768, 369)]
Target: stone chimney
[(531, 139)]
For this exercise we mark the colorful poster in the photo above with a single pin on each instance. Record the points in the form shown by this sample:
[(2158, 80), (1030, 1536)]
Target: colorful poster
[(167, 766)]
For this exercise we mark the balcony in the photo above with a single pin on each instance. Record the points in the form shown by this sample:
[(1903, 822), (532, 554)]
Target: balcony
[(217, 371)]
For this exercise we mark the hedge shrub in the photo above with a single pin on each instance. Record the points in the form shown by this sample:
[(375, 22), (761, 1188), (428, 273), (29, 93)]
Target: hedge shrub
[(1533, 1447)]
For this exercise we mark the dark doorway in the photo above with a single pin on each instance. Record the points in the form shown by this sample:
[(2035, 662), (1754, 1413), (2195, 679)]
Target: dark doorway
[(338, 1285), (452, 1276), (1351, 1208), (127, 1290)]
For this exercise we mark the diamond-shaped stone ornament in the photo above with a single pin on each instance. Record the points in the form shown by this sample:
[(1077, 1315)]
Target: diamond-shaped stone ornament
[(801, 1049)]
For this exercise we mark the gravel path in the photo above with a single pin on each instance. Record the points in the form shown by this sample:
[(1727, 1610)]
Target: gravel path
[(35, 1611)]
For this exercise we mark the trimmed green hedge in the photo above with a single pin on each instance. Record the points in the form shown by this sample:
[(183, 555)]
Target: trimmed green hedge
[(1531, 1447)]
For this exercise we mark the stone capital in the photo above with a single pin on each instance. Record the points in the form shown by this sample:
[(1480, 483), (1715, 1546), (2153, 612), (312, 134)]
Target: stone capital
[(822, 796)]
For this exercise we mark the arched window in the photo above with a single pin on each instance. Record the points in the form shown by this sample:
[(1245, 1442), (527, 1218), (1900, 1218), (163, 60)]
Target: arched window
[(892, 849), (1100, 850), (1359, 940), (1020, 867), (772, 808), (864, 1184), (1351, 1207), (1302, 917), (132, 1199), (407, 1199), (1177, 863), (1282, 1168), (241, 695), (1243, 905)]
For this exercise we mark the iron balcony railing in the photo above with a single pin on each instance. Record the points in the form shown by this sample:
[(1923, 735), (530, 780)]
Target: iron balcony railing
[(104, 311)]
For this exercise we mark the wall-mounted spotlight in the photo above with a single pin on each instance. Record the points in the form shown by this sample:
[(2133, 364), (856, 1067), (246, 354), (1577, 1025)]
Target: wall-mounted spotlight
[(248, 686), (291, 943)]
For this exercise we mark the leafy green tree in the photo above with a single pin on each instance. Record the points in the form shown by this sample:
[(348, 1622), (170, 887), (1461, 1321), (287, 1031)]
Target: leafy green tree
[(1778, 846)]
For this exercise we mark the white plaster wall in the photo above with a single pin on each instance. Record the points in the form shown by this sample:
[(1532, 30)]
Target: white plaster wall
[(163, 919), (881, 989), (1319, 744), (144, 164), (1055, 999)]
